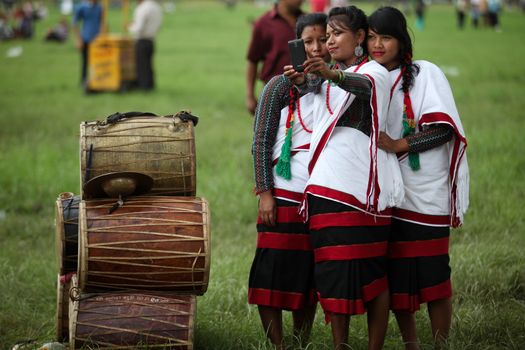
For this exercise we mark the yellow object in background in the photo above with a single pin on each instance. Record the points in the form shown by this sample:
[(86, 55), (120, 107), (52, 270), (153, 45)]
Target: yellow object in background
[(111, 63)]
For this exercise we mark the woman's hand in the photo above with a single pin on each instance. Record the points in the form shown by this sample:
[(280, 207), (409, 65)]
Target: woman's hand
[(318, 66), (267, 208), (390, 145), (294, 76)]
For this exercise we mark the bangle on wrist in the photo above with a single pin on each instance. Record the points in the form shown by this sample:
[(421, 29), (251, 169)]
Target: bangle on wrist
[(340, 76)]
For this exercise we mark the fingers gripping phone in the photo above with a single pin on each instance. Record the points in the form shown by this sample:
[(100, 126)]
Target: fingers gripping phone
[(298, 53)]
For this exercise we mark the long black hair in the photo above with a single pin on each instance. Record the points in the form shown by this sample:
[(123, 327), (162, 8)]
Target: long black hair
[(309, 19), (388, 20), (349, 18)]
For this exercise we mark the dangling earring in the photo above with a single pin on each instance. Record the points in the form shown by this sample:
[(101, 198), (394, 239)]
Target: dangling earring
[(358, 51)]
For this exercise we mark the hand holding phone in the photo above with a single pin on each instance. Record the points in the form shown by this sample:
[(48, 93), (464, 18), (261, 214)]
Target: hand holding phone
[(297, 53)]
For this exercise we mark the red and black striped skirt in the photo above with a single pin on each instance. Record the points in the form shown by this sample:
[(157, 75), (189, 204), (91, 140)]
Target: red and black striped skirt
[(418, 265), (281, 275), (350, 249)]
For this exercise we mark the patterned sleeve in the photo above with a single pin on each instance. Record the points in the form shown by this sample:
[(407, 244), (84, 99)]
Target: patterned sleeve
[(436, 135), (273, 99), (357, 84)]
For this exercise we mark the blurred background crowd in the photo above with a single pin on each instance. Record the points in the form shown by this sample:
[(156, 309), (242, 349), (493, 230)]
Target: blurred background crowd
[(18, 18)]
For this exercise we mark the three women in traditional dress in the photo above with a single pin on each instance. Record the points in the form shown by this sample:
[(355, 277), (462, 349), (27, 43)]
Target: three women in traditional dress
[(376, 223)]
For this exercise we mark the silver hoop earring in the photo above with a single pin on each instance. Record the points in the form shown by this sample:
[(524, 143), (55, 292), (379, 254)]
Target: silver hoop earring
[(358, 51)]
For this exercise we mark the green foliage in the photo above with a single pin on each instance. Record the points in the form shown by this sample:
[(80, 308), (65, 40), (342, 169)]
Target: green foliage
[(200, 65)]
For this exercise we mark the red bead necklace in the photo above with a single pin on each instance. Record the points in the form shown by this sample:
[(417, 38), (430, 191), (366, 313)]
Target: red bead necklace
[(300, 117)]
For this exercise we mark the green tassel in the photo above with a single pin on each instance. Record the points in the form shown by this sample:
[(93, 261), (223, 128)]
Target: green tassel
[(283, 167), (413, 160)]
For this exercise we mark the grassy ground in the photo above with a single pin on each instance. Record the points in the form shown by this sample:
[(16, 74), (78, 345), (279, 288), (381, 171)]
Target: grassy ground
[(200, 66)]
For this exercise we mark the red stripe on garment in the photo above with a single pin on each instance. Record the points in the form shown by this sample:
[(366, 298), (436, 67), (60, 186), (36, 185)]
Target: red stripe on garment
[(457, 154), (289, 195), (343, 306), (279, 299), (341, 197), (404, 302), (357, 306), (306, 146), (346, 219), (425, 219), (286, 215), (352, 252), (411, 303), (372, 290), (322, 143), (284, 241), (438, 117), (437, 292), (373, 178), (412, 249)]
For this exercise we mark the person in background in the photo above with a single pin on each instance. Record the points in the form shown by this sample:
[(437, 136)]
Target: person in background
[(318, 5), (461, 10), (59, 32), (269, 45), (420, 14), (475, 12), (425, 131), (23, 18), (281, 276), (493, 10), (89, 13), (352, 183), (147, 19)]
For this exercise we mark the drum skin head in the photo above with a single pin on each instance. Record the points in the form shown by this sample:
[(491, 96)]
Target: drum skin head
[(125, 183)]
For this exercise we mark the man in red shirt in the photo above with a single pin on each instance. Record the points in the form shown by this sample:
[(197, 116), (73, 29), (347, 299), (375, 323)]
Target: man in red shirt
[(269, 45)]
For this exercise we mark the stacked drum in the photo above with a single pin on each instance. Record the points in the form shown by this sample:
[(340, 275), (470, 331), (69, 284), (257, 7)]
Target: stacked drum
[(134, 247)]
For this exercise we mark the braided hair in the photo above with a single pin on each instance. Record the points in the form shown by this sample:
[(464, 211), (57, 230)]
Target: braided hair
[(390, 21), (349, 18)]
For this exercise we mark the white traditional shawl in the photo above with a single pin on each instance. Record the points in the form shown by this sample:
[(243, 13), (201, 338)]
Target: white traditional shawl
[(300, 147), (346, 164), (441, 185)]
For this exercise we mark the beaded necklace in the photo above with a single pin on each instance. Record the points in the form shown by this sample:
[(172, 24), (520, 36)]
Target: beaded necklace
[(298, 104), (358, 64)]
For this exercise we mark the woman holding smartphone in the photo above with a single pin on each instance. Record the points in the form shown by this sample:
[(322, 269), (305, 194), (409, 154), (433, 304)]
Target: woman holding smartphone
[(425, 131), (281, 276), (352, 183)]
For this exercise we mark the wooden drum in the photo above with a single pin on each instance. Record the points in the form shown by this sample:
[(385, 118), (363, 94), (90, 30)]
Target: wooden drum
[(160, 147), (132, 320), (150, 243), (66, 229)]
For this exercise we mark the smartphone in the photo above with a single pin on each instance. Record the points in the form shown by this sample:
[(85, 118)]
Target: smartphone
[(298, 53)]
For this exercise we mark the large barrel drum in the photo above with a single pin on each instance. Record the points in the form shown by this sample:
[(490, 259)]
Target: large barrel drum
[(156, 243), (132, 320), (160, 147), (66, 232)]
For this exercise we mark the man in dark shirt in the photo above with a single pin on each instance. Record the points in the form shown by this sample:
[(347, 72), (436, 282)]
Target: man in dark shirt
[(269, 45)]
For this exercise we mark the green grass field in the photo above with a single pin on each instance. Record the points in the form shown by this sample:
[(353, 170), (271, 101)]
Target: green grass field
[(200, 66)]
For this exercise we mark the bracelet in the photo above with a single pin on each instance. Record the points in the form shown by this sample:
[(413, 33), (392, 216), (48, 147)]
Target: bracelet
[(334, 82), (340, 76)]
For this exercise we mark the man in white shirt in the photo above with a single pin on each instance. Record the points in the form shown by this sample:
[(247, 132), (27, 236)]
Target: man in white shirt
[(146, 23)]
